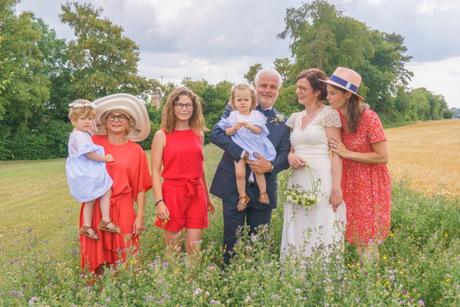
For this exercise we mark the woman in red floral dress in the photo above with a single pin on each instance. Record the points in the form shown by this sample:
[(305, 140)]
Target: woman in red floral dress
[(365, 179)]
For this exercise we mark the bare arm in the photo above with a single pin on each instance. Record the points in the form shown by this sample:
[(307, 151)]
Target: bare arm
[(254, 129), (138, 227), (336, 169), (98, 157), (158, 143), (378, 155), (208, 196)]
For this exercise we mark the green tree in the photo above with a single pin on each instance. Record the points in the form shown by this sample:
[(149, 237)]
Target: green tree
[(321, 36), (251, 74), (102, 60), (284, 67)]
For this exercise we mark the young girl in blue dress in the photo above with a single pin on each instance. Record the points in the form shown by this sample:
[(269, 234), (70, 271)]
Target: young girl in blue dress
[(248, 130), (87, 176)]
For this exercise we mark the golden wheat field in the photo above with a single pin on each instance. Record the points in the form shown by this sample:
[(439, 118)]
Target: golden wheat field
[(426, 155)]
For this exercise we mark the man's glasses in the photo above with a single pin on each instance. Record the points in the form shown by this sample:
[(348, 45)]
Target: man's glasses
[(187, 106), (119, 117)]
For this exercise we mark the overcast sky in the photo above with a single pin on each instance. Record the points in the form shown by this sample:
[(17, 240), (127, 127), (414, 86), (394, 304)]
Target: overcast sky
[(219, 39)]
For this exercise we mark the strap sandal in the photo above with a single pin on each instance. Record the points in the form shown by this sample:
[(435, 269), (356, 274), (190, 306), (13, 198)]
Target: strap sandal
[(88, 232), (263, 199), (242, 203), (108, 226)]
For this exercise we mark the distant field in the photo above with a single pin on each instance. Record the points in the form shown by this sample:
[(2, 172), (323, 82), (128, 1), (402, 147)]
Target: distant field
[(427, 156)]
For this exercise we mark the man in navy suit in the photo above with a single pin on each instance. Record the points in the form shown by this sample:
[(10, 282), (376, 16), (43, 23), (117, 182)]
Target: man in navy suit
[(267, 85)]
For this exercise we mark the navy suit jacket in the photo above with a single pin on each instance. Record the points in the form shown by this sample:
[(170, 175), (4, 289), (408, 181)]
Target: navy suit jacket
[(224, 182)]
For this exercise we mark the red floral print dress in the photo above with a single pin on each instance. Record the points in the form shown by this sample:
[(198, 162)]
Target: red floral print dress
[(366, 187)]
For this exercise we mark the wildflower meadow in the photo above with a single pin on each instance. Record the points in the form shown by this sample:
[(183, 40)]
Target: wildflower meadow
[(419, 263)]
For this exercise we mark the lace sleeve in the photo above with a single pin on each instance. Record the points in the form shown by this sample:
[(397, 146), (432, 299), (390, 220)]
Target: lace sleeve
[(332, 119), (291, 120)]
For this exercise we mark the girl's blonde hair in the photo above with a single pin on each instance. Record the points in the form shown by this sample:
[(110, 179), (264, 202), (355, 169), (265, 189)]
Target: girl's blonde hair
[(243, 86), (81, 107), (168, 119)]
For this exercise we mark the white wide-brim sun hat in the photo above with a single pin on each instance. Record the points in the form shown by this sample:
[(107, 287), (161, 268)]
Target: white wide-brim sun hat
[(129, 104)]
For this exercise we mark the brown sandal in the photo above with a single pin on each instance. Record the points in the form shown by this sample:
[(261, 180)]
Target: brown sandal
[(108, 226), (84, 231), (242, 203), (263, 199)]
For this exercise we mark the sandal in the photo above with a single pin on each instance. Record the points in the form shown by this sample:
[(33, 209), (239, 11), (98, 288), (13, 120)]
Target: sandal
[(263, 199), (108, 226), (89, 232), (242, 203)]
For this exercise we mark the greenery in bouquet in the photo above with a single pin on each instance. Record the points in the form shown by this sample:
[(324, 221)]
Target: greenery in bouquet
[(298, 195)]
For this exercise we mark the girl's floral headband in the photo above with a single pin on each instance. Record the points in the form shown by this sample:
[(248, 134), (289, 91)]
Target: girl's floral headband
[(81, 103)]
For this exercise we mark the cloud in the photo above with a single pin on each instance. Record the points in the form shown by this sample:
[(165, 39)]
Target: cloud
[(440, 77), (427, 26), (218, 40)]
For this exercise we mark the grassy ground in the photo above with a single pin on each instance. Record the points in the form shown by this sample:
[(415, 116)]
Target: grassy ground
[(419, 263)]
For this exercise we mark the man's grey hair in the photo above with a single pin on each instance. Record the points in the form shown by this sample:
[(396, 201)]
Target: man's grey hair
[(268, 71)]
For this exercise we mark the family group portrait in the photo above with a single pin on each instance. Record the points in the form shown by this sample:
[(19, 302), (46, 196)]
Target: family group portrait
[(236, 153)]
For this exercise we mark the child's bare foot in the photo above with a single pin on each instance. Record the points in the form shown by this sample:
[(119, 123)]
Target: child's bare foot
[(242, 203), (263, 198), (108, 226), (89, 232)]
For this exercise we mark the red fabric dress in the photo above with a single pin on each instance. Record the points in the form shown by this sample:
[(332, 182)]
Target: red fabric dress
[(366, 187), (130, 175), (184, 192)]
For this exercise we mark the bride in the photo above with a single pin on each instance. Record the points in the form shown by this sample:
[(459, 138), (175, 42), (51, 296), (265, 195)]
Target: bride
[(320, 227)]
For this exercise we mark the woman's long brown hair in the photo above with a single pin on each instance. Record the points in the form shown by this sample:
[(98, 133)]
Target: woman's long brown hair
[(168, 119)]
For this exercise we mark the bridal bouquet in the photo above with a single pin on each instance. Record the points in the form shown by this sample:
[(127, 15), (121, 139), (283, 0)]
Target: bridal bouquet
[(296, 194)]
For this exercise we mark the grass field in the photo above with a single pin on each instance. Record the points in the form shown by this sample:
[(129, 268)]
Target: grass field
[(419, 263)]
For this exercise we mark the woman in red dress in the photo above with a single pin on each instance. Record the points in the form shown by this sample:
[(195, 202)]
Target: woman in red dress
[(365, 179), (183, 200), (122, 119)]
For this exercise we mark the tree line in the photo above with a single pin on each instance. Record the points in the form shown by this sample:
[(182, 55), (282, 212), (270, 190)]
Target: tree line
[(40, 73)]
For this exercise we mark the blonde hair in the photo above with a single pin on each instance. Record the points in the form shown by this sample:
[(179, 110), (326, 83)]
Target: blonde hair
[(79, 108), (243, 86), (168, 119)]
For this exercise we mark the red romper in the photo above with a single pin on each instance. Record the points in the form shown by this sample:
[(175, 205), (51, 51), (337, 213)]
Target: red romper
[(184, 192)]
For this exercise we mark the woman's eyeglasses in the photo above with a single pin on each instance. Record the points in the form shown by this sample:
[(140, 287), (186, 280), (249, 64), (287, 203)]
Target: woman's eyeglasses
[(119, 117), (187, 106)]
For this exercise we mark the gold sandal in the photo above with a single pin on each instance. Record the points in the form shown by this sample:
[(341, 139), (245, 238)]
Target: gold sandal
[(263, 199), (242, 203), (84, 231), (105, 226)]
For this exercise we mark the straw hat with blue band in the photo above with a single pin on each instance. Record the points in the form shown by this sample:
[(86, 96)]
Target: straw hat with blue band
[(345, 78)]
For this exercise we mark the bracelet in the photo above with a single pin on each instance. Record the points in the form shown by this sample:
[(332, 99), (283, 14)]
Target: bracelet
[(158, 201)]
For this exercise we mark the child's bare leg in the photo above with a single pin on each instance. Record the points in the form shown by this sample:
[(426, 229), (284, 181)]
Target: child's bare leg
[(87, 230), (260, 179), (240, 172), (88, 213), (106, 223), (263, 197), (105, 206)]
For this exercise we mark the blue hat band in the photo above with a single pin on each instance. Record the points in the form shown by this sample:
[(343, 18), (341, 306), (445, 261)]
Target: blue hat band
[(348, 85)]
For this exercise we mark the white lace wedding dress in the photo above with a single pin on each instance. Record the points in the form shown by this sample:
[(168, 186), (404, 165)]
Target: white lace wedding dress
[(319, 227)]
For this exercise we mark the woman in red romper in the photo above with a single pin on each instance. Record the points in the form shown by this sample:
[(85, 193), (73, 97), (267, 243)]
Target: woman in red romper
[(183, 200), (365, 179), (122, 119)]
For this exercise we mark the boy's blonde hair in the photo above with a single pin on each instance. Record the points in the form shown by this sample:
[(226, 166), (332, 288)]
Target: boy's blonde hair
[(81, 107), (243, 86)]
